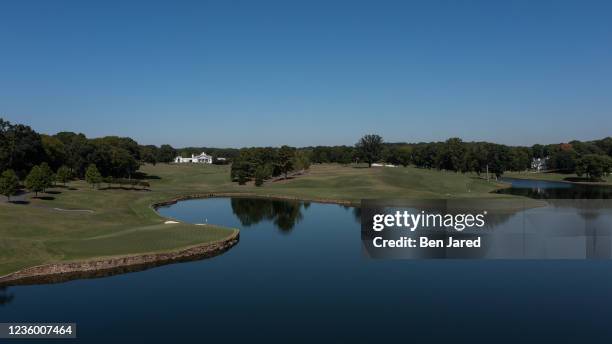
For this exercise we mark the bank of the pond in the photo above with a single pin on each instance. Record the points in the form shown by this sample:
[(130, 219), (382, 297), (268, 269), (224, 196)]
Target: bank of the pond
[(96, 267)]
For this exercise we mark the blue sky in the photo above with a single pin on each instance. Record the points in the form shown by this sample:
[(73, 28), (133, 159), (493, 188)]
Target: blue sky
[(251, 73)]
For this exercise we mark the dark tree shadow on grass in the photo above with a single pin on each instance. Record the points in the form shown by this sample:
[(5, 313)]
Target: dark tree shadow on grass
[(142, 175), (19, 202), (44, 198), (122, 188), (280, 179), (53, 192)]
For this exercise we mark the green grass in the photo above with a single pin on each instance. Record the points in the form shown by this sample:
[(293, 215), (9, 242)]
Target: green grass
[(551, 176), (123, 222)]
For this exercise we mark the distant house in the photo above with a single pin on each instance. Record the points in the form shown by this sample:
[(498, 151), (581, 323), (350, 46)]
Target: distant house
[(539, 164), (202, 158)]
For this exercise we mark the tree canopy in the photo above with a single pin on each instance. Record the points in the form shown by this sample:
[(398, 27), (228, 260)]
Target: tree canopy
[(8, 183), (63, 174), (594, 166), (370, 148), (93, 176), (36, 181), (21, 148)]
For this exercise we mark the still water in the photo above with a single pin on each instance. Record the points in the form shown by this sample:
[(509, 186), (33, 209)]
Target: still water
[(541, 189), (298, 275)]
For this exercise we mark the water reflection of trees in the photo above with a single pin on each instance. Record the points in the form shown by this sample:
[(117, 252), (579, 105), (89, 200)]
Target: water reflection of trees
[(284, 214), (5, 296), (357, 214)]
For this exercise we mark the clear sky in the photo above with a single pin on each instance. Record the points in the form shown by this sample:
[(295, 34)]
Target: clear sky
[(251, 73)]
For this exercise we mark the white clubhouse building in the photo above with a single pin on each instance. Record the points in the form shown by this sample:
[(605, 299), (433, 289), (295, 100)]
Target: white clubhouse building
[(202, 158)]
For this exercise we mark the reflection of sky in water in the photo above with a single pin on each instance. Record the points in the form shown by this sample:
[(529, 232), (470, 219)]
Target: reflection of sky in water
[(536, 184)]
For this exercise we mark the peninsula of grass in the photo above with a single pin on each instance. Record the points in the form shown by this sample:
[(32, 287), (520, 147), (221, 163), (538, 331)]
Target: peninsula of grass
[(120, 222)]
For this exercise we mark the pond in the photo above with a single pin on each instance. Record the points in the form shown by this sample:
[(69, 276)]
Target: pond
[(299, 275), (542, 189)]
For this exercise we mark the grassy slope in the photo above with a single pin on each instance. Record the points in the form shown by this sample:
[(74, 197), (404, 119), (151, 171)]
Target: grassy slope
[(123, 222), (550, 176)]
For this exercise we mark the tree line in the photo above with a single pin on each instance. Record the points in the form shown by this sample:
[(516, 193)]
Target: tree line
[(260, 164), (21, 148), (39, 160), (592, 159), (67, 155)]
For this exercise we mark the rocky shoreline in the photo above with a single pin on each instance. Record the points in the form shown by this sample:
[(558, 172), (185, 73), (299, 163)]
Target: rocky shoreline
[(60, 272)]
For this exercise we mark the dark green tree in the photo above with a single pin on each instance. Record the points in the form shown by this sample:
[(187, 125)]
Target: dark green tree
[(563, 158), (451, 155), (539, 151), (519, 159), (47, 174), (64, 174), (166, 154), (399, 155), (497, 159), (35, 181), (93, 176), (285, 161), (79, 151), (301, 161), (20, 148), (369, 148), (242, 178), (241, 167), (123, 164), (594, 166), (605, 145), (55, 151), (148, 154), (8, 184), (261, 174)]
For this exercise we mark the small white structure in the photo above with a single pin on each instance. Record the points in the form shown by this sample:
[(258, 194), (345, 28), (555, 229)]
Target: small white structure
[(539, 164), (202, 158), (382, 165)]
